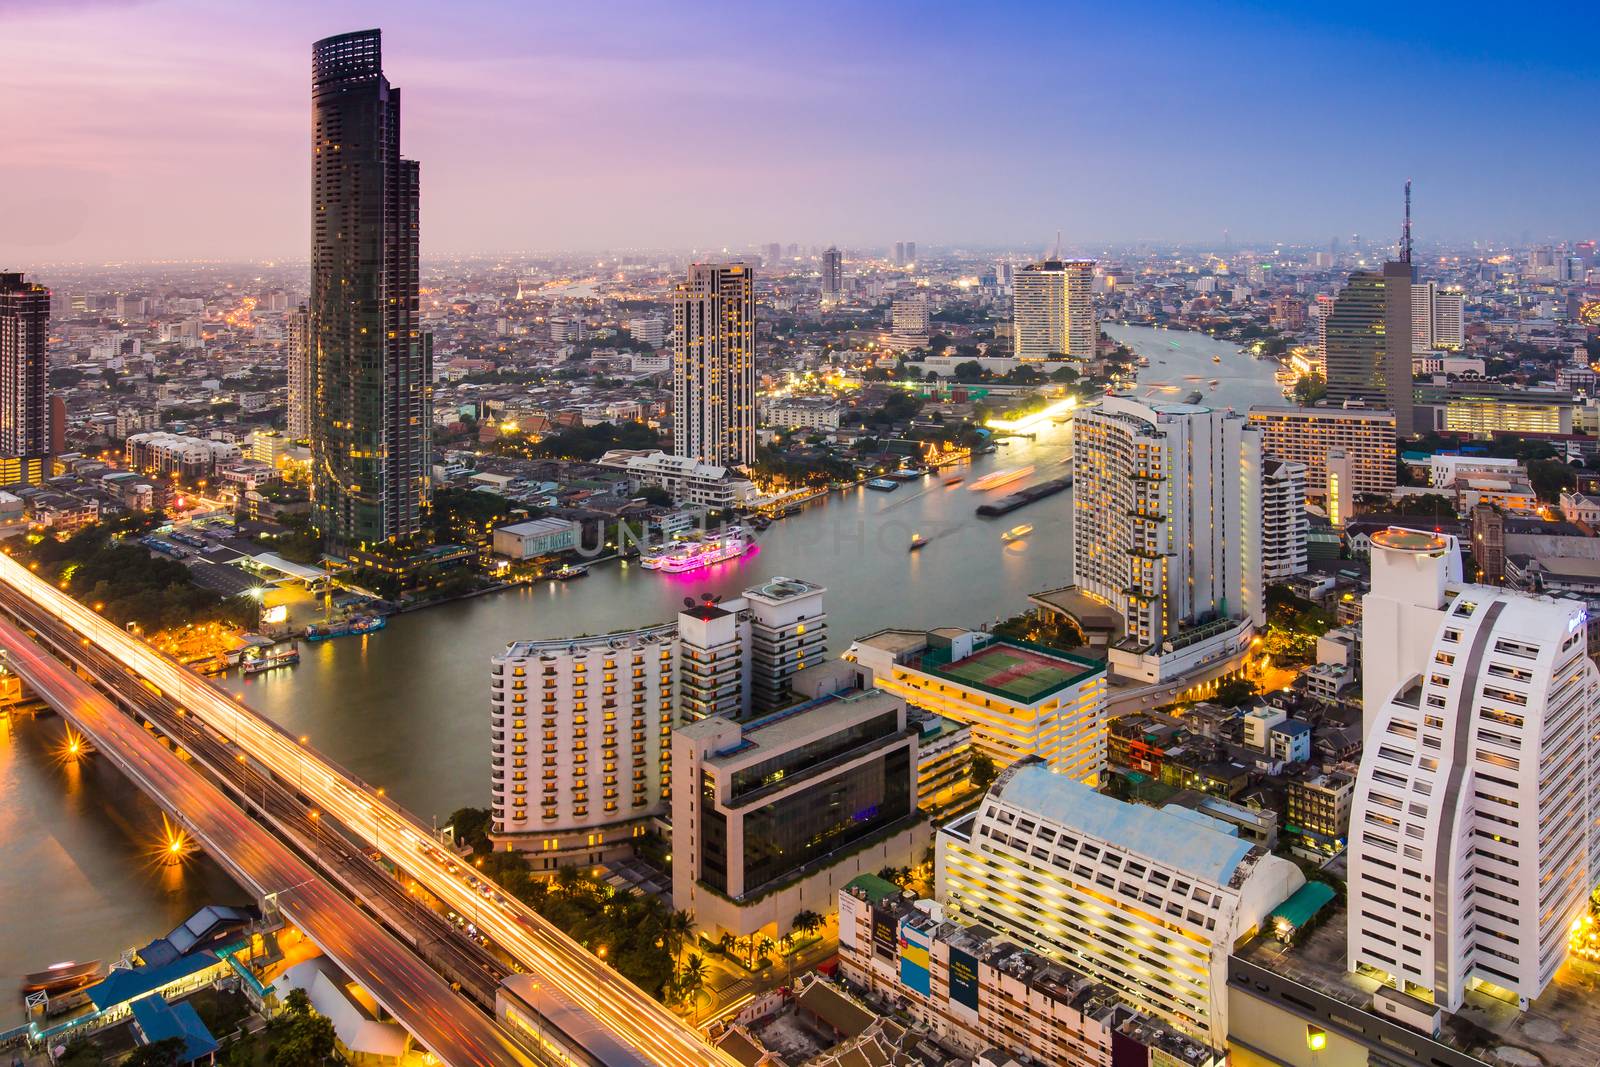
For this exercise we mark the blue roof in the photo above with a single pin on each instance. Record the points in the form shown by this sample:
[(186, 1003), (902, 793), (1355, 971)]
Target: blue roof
[(1176, 841), (1200, 818), (121, 986), (1292, 727), (159, 1021)]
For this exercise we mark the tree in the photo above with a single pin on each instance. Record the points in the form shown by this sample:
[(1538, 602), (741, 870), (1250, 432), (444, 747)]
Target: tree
[(983, 770), (806, 922), (970, 371), (1235, 691), (1310, 388), (655, 496), (692, 978), (300, 1035), (164, 1053)]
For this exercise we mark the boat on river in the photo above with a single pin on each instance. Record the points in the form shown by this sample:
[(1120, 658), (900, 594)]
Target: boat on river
[(354, 626), (691, 554), (260, 660)]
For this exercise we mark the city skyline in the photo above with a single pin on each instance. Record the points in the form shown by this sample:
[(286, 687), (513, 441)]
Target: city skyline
[(546, 131)]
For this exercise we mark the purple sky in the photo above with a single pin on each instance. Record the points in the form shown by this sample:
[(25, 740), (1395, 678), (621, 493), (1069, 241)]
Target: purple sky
[(179, 128)]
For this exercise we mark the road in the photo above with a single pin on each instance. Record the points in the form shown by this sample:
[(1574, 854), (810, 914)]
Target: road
[(631, 1015), (406, 987)]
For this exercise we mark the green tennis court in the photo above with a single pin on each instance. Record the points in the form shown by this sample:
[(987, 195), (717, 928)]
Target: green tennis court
[(1014, 671)]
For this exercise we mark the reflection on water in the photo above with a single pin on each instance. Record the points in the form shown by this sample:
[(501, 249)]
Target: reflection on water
[(78, 882)]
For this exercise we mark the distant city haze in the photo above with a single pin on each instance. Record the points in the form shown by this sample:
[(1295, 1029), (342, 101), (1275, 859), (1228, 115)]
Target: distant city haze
[(179, 129)]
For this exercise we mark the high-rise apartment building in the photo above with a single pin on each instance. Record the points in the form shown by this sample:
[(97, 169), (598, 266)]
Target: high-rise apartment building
[(302, 375), (24, 381), (1449, 319), (1285, 529), (1166, 517), (1473, 836), (580, 740), (714, 365), (1053, 310), (1307, 435), (832, 276), (1149, 901), (911, 254), (910, 321), (1437, 318), (1370, 340), (371, 414), (739, 656)]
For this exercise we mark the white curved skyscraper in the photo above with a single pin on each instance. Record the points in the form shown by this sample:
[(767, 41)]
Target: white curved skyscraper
[(1473, 836)]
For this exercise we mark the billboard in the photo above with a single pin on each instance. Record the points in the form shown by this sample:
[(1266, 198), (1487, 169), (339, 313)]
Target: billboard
[(885, 931), (914, 946), (963, 979)]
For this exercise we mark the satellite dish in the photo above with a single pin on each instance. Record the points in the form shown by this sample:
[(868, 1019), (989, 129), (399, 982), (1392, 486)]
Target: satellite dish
[(717, 599), (688, 601)]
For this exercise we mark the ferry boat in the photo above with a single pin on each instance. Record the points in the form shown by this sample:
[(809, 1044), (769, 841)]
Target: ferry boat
[(917, 541), (257, 660), (698, 552), (1216, 359), (999, 478), (355, 625), (61, 977), (571, 571), (883, 485), (1017, 533), (951, 483)]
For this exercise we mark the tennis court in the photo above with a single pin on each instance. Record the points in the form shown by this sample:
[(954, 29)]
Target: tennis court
[(1016, 672)]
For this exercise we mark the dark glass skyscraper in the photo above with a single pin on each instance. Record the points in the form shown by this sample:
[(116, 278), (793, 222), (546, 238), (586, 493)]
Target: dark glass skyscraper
[(1369, 342), (370, 363), (24, 381)]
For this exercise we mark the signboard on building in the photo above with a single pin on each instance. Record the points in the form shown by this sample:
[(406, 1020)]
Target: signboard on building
[(885, 932), (914, 946), (963, 979)]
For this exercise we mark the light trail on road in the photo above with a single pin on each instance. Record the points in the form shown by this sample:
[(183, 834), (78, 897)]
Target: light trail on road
[(630, 1014)]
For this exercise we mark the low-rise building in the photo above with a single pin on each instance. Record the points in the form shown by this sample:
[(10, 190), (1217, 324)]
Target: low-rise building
[(1318, 817), (535, 538), (1021, 699), (1307, 435), (690, 481), (171, 454), (980, 993)]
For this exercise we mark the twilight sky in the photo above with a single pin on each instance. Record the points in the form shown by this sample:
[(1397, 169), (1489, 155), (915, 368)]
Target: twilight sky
[(155, 129)]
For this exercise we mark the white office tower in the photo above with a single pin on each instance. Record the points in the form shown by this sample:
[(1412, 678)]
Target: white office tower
[(1166, 522), (1473, 834), (1285, 529), (739, 656), (832, 276), (580, 743), (1052, 310), (713, 365), (1150, 901), (301, 383), (1449, 319), (910, 321)]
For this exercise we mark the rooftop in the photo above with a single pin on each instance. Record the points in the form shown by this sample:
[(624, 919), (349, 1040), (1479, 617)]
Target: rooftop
[(1013, 669), (1178, 841)]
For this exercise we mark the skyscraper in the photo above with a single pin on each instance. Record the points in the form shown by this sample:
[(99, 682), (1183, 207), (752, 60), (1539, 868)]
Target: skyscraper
[(301, 375), (909, 315), (1473, 838), (832, 276), (713, 365), (370, 363), (1166, 517), (1053, 310), (24, 381), (1370, 339)]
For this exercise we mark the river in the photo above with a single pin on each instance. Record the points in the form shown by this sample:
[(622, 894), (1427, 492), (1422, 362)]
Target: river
[(407, 708)]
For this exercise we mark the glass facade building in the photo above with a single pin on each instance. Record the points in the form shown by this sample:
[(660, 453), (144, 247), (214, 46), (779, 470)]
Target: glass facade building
[(369, 360)]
